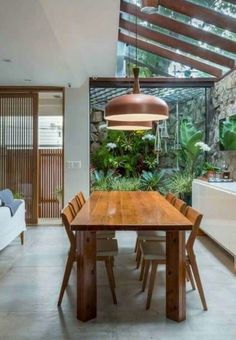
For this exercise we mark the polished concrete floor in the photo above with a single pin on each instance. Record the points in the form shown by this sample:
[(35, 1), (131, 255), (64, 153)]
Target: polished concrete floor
[(30, 278)]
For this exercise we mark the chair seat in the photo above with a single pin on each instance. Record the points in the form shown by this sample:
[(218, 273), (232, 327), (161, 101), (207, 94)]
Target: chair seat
[(105, 234), (151, 235), (107, 247), (153, 251)]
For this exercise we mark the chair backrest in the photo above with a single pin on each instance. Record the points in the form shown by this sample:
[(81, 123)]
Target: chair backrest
[(195, 217), (74, 206), (180, 205), (67, 218), (80, 198), (170, 197)]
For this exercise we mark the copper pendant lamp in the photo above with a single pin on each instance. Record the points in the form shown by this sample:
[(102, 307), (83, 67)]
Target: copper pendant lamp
[(136, 106), (128, 126)]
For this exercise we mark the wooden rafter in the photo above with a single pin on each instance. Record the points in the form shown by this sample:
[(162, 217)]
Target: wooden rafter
[(177, 44), (180, 28), (199, 12), (164, 53)]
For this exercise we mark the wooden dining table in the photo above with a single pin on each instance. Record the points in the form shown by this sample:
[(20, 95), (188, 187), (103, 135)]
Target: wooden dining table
[(130, 210)]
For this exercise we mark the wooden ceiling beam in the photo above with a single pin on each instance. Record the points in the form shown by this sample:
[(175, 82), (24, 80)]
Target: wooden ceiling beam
[(177, 44), (164, 53), (180, 28), (200, 12)]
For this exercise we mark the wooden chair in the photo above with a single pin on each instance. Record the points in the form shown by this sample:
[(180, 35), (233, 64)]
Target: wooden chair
[(180, 205), (154, 254), (103, 234), (170, 197), (80, 198), (106, 250), (75, 206), (153, 235)]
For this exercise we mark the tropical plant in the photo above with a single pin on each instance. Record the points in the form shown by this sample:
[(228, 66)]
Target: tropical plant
[(17, 195), (150, 180), (192, 148), (125, 184), (127, 153), (101, 181), (179, 184), (207, 166), (228, 134)]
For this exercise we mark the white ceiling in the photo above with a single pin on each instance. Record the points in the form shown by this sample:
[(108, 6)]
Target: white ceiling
[(56, 42)]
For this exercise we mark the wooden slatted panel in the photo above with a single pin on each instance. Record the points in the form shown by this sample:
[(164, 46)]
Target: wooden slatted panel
[(18, 148), (51, 178)]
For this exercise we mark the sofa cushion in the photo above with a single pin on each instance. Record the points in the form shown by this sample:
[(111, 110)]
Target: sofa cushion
[(7, 199)]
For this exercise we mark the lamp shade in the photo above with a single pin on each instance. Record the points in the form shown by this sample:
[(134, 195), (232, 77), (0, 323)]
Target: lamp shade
[(128, 126), (136, 106)]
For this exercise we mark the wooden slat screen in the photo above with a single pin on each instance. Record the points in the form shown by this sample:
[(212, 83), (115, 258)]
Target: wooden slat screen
[(18, 148), (51, 179)]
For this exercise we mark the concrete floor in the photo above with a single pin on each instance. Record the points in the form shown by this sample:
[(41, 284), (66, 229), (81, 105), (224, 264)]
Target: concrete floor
[(30, 278)]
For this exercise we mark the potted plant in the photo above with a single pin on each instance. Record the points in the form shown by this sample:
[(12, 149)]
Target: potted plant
[(58, 193), (209, 169)]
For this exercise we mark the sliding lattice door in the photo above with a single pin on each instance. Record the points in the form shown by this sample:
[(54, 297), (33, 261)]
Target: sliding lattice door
[(18, 148)]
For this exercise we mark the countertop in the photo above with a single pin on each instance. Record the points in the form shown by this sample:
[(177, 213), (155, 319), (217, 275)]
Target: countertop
[(226, 186)]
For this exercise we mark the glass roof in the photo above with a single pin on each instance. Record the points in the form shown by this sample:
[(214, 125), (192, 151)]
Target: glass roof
[(152, 64), (100, 96)]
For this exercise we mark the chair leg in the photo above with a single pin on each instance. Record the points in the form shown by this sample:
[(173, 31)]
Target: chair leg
[(22, 238), (110, 279), (190, 276), (151, 283), (146, 271), (136, 245), (187, 275), (138, 250), (139, 257), (111, 259), (69, 265), (196, 275), (142, 270)]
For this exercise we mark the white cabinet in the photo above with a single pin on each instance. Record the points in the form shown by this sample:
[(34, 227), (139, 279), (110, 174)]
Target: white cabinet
[(217, 203)]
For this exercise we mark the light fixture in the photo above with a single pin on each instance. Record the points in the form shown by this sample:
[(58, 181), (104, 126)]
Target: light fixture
[(128, 126), (149, 6), (136, 106)]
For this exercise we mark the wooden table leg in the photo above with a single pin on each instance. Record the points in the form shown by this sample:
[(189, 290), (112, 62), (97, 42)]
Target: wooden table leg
[(86, 275), (175, 276)]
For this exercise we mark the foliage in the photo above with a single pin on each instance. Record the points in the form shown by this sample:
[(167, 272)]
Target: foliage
[(191, 155), (179, 184), (228, 134), (101, 181), (17, 195), (126, 184), (150, 180), (207, 166), (112, 181), (58, 192), (126, 153)]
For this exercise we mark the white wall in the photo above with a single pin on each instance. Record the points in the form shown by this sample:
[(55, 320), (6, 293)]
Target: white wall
[(76, 143)]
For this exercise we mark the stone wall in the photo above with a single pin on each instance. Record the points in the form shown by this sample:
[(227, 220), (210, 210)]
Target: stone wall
[(223, 106)]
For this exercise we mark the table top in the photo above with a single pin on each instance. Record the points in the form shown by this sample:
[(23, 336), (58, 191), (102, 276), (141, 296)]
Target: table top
[(129, 210)]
